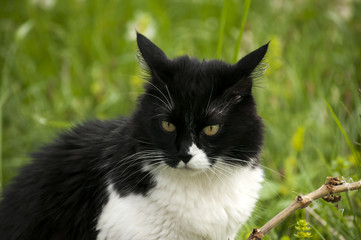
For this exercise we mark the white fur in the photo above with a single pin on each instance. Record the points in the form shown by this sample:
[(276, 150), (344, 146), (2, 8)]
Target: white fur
[(185, 204), (199, 159)]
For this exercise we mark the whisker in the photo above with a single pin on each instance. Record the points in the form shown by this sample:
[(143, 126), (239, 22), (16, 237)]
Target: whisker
[(133, 159), (169, 103), (172, 103), (224, 169), (249, 163), (205, 172), (140, 169), (135, 172), (274, 171), (243, 150), (226, 158), (168, 107), (209, 100), (160, 115), (160, 91), (141, 141), (161, 107), (217, 175)]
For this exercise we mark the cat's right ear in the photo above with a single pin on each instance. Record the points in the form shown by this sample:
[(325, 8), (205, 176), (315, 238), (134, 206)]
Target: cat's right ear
[(152, 58)]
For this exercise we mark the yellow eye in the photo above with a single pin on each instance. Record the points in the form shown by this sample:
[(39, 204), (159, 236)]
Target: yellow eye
[(169, 127), (211, 130)]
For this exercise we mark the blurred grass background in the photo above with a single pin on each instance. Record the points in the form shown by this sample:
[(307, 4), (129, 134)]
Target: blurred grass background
[(65, 61)]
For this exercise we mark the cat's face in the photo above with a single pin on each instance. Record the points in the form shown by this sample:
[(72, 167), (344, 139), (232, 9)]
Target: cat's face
[(197, 114)]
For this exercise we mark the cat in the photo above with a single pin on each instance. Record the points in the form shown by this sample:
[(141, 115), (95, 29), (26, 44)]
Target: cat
[(183, 166)]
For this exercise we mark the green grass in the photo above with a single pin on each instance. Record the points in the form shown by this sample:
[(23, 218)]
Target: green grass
[(76, 61), (247, 4)]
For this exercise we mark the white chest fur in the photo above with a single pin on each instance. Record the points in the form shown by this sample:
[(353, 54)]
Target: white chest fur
[(183, 206)]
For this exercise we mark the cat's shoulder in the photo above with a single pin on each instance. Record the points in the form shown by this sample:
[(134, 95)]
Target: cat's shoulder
[(82, 146), (96, 128), (58, 186), (88, 133)]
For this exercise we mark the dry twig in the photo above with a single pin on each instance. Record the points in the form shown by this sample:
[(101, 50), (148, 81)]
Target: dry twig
[(326, 191)]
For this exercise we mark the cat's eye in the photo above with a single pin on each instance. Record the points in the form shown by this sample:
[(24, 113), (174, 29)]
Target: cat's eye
[(211, 130), (167, 126)]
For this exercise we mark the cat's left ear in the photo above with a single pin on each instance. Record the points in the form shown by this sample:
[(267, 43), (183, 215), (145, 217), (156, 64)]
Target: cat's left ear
[(152, 58), (248, 64), (246, 69)]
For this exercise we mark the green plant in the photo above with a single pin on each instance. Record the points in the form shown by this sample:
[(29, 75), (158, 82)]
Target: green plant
[(303, 231)]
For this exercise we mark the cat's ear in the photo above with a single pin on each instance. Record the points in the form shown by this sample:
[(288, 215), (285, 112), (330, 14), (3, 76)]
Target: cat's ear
[(250, 63), (152, 58), (246, 70)]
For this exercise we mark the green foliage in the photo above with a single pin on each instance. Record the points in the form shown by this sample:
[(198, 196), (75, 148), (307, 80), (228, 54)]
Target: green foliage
[(303, 231), (65, 61)]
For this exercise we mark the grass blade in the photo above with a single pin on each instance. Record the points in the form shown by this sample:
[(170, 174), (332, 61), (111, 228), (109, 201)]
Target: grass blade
[(247, 4), (347, 138), (222, 27)]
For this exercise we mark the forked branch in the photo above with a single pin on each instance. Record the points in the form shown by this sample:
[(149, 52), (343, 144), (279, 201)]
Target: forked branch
[(333, 185)]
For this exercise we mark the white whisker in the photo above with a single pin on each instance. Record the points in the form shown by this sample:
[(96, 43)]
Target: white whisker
[(161, 100), (209, 100), (171, 100)]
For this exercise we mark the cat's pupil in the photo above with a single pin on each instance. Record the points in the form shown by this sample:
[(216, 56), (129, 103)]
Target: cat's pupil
[(169, 127), (211, 130)]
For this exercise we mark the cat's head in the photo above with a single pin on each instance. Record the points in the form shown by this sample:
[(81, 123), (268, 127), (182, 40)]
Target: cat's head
[(195, 114)]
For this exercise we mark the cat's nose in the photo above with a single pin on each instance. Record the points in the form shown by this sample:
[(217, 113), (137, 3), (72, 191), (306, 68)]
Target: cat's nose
[(185, 157)]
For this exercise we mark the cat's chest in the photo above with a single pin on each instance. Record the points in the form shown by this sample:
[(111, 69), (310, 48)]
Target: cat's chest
[(208, 206)]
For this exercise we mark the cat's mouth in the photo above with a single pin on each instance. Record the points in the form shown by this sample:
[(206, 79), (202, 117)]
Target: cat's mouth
[(194, 160), (190, 167), (197, 160)]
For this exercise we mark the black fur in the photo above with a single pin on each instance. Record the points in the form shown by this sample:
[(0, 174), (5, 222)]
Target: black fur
[(61, 193)]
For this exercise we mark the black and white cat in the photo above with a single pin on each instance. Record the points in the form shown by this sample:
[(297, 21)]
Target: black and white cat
[(184, 166)]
